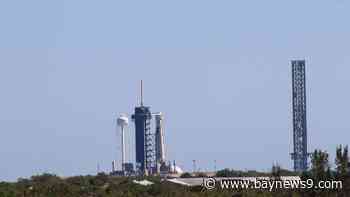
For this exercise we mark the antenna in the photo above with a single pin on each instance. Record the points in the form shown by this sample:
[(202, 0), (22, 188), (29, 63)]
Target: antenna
[(194, 165), (215, 165), (141, 93), (113, 167), (98, 168)]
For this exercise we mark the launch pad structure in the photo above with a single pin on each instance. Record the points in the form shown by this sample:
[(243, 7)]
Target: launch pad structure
[(150, 145), (150, 148), (300, 154)]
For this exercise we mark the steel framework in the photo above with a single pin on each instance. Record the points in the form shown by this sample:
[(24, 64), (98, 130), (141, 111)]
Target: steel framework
[(144, 139), (300, 154), (149, 148)]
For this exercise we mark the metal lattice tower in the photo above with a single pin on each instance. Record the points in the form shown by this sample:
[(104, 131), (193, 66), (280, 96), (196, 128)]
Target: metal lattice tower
[(300, 154), (149, 147), (144, 138)]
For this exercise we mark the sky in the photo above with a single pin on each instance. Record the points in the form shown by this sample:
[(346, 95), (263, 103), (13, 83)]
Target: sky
[(219, 71)]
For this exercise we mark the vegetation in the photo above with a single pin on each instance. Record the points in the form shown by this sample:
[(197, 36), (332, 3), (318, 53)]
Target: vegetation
[(186, 175), (275, 171), (103, 185)]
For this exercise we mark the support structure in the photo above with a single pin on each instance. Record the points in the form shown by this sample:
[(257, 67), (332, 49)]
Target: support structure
[(144, 138), (300, 154), (123, 122), (123, 146)]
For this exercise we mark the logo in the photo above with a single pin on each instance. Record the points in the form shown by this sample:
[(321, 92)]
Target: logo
[(209, 183)]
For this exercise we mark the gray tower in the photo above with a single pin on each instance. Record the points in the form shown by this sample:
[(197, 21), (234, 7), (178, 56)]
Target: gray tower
[(160, 150), (300, 154), (144, 138)]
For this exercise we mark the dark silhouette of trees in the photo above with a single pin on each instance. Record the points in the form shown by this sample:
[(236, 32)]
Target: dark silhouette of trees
[(103, 185), (186, 175), (342, 169), (342, 162), (320, 168)]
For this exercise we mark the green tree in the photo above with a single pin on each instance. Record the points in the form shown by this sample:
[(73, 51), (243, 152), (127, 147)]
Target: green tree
[(342, 169), (342, 162), (186, 175), (320, 165), (224, 173)]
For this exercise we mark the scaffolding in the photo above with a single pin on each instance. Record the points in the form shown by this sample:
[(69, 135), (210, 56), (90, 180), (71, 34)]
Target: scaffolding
[(300, 154)]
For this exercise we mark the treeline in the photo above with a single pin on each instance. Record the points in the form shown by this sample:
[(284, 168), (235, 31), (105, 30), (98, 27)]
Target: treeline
[(103, 185), (337, 180)]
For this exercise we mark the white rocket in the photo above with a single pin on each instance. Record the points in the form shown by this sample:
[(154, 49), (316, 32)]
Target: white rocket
[(160, 149)]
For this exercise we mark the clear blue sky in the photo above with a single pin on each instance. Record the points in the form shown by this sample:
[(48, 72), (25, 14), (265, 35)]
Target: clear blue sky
[(218, 70)]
